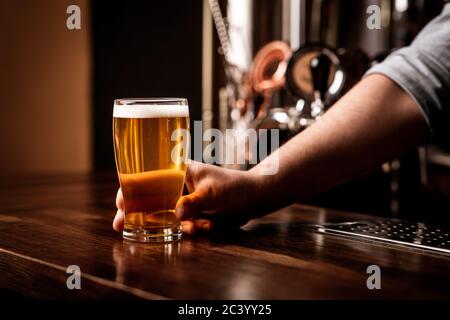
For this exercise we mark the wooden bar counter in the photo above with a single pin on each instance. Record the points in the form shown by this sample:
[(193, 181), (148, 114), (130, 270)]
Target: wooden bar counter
[(49, 223)]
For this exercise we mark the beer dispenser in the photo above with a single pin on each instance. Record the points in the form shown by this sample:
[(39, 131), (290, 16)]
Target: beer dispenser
[(313, 53)]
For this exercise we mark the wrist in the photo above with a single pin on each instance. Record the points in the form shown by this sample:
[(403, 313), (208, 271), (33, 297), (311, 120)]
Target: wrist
[(256, 191)]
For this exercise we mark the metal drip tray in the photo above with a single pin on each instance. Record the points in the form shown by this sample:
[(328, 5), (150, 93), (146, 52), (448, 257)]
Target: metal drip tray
[(418, 235)]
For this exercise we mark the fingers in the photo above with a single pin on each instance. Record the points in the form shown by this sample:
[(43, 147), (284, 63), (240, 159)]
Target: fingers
[(119, 220), (218, 224), (196, 172), (192, 172), (203, 224), (187, 207), (190, 227), (119, 200), (191, 205)]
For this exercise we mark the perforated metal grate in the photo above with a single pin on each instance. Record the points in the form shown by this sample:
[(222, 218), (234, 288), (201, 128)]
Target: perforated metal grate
[(418, 235)]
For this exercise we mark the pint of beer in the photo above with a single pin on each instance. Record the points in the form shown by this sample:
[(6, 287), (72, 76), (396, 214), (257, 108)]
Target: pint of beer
[(151, 147)]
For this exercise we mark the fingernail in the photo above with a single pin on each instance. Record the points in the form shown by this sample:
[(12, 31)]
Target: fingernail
[(187, 227), (118, 222), (206, 226)]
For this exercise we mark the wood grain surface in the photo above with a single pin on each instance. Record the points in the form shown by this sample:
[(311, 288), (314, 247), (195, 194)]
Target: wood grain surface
[(48, 223)]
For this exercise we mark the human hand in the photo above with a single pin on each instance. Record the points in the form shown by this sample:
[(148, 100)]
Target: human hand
[(218, 198)]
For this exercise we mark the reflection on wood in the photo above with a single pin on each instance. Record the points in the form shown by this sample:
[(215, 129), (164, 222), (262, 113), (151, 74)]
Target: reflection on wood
[(50, 223)]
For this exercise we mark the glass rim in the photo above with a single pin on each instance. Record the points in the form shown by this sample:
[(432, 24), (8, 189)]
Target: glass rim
[(151, 101)]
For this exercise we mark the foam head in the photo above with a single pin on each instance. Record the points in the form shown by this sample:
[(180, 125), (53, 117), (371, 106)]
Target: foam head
[(150, 111)]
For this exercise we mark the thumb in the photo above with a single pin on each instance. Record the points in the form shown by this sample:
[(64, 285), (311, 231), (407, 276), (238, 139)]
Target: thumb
[(191, 205)]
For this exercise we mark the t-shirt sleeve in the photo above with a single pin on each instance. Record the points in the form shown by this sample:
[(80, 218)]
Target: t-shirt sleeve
[(423, 71)]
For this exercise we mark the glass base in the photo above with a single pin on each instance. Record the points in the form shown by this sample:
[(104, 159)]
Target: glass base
[(153, 234)]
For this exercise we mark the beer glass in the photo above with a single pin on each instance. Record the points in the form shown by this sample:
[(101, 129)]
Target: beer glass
[(151, 141)]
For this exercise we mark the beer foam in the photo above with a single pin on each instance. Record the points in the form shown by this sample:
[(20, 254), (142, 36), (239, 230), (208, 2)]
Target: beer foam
[(143, 111)]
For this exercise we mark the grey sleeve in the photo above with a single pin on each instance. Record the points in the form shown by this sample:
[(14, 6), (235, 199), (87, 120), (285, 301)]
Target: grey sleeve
[(423, 71)]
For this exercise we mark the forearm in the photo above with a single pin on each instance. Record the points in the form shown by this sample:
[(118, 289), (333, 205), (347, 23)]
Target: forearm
[(371, 124)]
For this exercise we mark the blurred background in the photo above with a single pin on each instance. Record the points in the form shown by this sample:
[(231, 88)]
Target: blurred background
[(57, 85)]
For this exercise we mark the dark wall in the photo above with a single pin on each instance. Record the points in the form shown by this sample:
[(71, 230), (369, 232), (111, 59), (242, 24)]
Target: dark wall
[(143, 49)]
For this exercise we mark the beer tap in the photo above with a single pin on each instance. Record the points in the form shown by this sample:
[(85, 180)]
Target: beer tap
[(320, 71)]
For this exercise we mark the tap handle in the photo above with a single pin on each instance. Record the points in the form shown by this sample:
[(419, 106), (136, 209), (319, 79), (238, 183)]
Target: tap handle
[(320, 70)]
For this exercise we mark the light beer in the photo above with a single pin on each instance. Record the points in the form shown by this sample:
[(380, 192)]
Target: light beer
[(151, 154)]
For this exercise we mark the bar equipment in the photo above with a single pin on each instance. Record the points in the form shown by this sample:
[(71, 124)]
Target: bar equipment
[(416, 235), (328, 56)]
